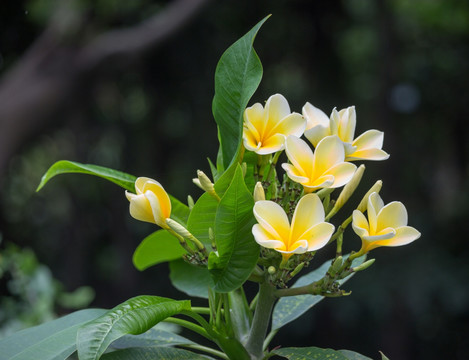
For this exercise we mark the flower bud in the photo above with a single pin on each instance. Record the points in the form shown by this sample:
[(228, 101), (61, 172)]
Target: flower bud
[(350, 188), (271, 270), (259, 193), (190, 202), (297, 269), (363, 266), (203, 182), (335, 267), (364, 203), (178, 229)]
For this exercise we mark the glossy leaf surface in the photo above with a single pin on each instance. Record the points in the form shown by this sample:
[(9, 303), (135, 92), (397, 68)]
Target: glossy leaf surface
[(134, 316), (156, 248)]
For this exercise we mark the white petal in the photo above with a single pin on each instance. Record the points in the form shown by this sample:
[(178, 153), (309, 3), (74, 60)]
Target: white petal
[(314, 116), (276, 108), (299, 247), (368, 154), (265, 238), (347, 124), (329, 152), (319, 235), (371, 139), (384, 235), (316, 134), (271, 144), (299, 154), (140, 208), (292, 124), (309, 212), (360, 224), (392, 215), (342, 173), (375, 203), (294, 174), (272, 218), (404, 235)]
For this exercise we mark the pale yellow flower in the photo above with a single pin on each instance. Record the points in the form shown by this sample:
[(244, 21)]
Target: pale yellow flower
[(151, 203), (368, 146), (265, 129), (325, 168), (385, 226), (307, 232)]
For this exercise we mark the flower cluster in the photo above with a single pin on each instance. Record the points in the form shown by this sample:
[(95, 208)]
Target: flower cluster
[(292, 218)]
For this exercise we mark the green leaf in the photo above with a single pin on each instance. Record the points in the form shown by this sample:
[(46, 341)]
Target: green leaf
[(202, 217), (237, 250), (310, 353), (289, 308), (54, 340), (352, 355), (134, 316), (152, 338), (156, 248), (179, 211), (67, 167), (192, 280), (160, 353), (237, 76)]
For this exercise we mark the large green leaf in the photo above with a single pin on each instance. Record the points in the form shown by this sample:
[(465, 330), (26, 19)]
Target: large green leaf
[(310, 353), (289, 308), (67, 167), (314, 353), (156, 248), (237, 251), (54, 340), (179, 211), (237, 77), (192, 280), (160, 353), (152, 338), (134, 316)]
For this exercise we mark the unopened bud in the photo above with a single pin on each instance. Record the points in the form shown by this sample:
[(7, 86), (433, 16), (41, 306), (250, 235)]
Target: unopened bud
[(190, 202), (205, 184), (259, 193), (244, 168), (335, 267), (363, 266), (271, 270), (364, 203), (178, 228), (350, 188), (297, 269)]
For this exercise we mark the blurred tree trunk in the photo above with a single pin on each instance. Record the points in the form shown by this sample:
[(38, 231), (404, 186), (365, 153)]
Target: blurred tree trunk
[(61, 62)]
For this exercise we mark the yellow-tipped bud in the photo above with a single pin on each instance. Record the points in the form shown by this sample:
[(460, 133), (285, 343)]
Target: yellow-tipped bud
[(364, 266), (244, 168), (259, 193), (271, 270), (364, 203)]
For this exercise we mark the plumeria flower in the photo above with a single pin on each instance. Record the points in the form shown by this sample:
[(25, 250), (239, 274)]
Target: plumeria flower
[(342, 123), (265, 128), (325, 168), (386, 225), (307, 232), (151, 203)]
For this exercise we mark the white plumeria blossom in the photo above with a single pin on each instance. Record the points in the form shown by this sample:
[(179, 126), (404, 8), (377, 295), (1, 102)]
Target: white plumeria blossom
[(386, 224), (368, 146), (307, 232), (151, 203), (325, 168), (266, 128)]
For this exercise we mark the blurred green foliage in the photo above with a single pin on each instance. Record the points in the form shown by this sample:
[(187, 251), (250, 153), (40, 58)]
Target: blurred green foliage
[(32, 294)]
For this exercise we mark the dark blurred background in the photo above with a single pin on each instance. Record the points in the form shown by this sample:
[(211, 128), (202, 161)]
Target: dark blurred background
[(128, 85)]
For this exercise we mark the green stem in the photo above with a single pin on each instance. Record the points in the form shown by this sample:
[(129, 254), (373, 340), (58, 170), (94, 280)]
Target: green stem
[(269, 338), (201, 310), (206, 349), (189, 325), (261, 320)]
